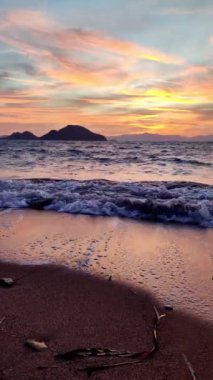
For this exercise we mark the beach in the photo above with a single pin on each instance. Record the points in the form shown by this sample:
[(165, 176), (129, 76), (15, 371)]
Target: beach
[(166, 260), (69, 310), (63, 295)]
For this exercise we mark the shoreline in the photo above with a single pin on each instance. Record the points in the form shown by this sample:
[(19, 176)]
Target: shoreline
[(172, 262), (70, 310)]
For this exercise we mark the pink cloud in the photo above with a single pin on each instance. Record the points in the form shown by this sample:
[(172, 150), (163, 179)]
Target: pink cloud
[(104, 78), (33, 32)]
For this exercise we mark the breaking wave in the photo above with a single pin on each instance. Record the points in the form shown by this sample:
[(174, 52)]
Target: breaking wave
[(180, 202)]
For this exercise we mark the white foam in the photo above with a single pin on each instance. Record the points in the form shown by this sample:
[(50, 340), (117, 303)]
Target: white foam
[(159, 201)]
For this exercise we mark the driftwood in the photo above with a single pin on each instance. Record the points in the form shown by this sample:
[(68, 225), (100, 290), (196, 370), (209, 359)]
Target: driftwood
[(99, 352)]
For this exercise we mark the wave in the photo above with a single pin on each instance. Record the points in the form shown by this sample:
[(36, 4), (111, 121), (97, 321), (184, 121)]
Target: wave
[(178, 160), (180, 202)]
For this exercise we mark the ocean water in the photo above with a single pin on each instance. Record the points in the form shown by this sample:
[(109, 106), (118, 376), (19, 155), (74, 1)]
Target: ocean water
[(166, 182)]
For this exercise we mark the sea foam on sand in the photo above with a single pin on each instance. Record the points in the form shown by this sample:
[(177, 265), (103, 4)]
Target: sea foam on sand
[(167, 202)]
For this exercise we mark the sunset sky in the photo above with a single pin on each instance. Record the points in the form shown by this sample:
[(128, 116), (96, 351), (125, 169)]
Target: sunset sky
[(115, 66)]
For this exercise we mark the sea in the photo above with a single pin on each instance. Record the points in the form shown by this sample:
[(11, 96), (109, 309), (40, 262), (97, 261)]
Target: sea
[(160, 182)]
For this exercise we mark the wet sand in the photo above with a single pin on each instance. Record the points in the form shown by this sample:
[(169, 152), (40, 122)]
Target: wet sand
[(172, 262), (70, 310)]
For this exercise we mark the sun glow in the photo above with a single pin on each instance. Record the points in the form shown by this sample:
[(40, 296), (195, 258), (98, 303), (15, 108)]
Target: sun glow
[(113, 85)]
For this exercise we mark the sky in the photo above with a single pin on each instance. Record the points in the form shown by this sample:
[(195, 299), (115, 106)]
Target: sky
[(115, 66)]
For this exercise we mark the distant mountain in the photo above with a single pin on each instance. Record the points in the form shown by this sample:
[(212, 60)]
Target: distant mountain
[(202, 138), (74, 133), (79, 133), (151, 137), (70, 132), (22, 136)]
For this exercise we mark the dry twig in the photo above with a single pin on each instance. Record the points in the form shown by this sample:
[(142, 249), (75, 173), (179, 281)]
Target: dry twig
[(91, 369), (99, 352), (191, 370)]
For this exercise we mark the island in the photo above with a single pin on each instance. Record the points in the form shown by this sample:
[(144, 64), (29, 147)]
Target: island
[(68, 133), (21, 136), (74, 133)]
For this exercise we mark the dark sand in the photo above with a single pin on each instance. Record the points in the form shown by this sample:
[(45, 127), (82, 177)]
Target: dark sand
[(71, 310)]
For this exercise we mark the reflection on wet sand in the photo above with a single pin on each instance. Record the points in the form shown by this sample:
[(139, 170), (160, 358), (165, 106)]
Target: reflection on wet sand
[(174, 262)]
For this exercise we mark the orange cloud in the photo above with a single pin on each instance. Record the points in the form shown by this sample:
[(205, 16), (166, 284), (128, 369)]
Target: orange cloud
[(106, 83)]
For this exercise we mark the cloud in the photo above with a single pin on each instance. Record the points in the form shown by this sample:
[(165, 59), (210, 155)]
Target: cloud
[(72, 75), (26, 19), (27, 68), (75, 57), (194, 10), (4, 75), (45, 38), (90, 41)]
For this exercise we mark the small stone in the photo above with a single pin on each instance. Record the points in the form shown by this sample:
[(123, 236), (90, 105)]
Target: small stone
[(168, 307), (36, 345), (6, 282), (39, 204)]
